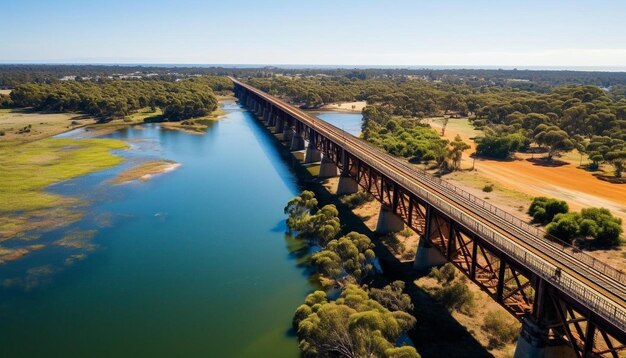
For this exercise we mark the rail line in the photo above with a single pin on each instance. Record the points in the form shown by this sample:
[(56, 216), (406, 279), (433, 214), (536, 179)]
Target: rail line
[(597, 286)]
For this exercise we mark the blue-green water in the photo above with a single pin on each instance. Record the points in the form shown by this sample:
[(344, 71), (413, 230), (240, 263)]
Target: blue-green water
[(349, 122), (192, 263)]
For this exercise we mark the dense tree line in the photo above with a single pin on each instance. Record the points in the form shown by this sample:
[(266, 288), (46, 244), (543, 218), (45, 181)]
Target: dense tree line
[(117, 98), (563, 118), (362, 321), (409, 138), (537, 80)]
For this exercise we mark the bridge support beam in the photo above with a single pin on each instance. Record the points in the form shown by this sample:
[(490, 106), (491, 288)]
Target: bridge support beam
[(427, 256), (388, 221), (271, 122), (297, 142), (328, 169)]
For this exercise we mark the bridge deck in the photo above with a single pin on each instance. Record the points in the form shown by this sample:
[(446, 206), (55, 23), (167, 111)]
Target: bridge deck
[(599, 287)]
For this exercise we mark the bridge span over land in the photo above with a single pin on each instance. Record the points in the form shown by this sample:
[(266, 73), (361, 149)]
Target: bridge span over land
[(570, 304)]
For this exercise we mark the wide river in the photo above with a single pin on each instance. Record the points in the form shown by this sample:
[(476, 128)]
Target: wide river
[(192, 263)]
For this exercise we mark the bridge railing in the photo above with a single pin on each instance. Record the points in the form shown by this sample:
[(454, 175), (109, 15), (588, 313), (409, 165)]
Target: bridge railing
[(590, 298), (600, 266)]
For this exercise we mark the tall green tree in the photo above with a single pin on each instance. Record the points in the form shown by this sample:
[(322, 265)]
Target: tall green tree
[(352, 326), (349, 259), (554, 139), (457, 147)]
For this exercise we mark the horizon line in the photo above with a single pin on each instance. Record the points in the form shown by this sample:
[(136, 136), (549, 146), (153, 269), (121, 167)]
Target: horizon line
[(575, 68)]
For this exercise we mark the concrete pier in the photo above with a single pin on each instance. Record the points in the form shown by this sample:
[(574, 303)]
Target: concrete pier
[(288, 133), (388, 221), (297, 142), (312, 154), (328, 169), (347, 185), (280, 126), (533, 342), (427, 256)]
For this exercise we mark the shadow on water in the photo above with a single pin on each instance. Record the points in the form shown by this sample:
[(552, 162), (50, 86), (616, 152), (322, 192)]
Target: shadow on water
[(437, 333)]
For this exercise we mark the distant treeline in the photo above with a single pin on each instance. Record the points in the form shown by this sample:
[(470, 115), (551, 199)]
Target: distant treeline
[(585, 117), (536, 80), (106, 99)]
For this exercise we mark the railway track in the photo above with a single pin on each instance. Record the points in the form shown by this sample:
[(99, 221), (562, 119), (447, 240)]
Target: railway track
[(604, 293)]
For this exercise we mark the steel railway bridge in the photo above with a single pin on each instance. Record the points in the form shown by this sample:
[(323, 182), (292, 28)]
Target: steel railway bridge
[(570, 304)]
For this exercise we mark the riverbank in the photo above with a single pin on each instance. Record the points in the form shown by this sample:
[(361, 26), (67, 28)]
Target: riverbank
[(348, 107), (437, 333), (27, 170), (28, 146), (174, 245)]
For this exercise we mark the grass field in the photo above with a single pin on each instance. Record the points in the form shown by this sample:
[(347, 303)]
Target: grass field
[(22, 126), (27, 169)]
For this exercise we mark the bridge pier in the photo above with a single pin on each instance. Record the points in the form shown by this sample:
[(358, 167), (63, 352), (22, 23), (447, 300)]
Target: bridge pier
[(427, 256), (280, 125), (533, 342), (388, 221), (288, 133), (271, 122), (312, 154), (297, 142), (328, 169), (347, 185)]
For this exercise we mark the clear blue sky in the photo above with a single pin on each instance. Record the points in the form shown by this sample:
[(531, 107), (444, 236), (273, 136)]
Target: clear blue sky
[(341, 32)]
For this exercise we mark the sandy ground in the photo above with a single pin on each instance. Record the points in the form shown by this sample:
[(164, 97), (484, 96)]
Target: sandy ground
[(346, 106), (145, 171), (524, 174), (517, 181)]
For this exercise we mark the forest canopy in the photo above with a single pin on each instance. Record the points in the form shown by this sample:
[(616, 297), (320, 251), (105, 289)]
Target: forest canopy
[(118, 98)]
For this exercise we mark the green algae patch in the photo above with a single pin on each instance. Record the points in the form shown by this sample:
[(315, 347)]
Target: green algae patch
[(27, 169)]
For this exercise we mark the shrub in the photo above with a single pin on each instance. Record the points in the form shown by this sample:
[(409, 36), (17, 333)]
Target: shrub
[(406, 232), (498, 146), (458, 297), (445, 274), (357, 199), (392, 242), (409, 254), (488, 188), (544, 209), (596, 223), (500, 328)]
